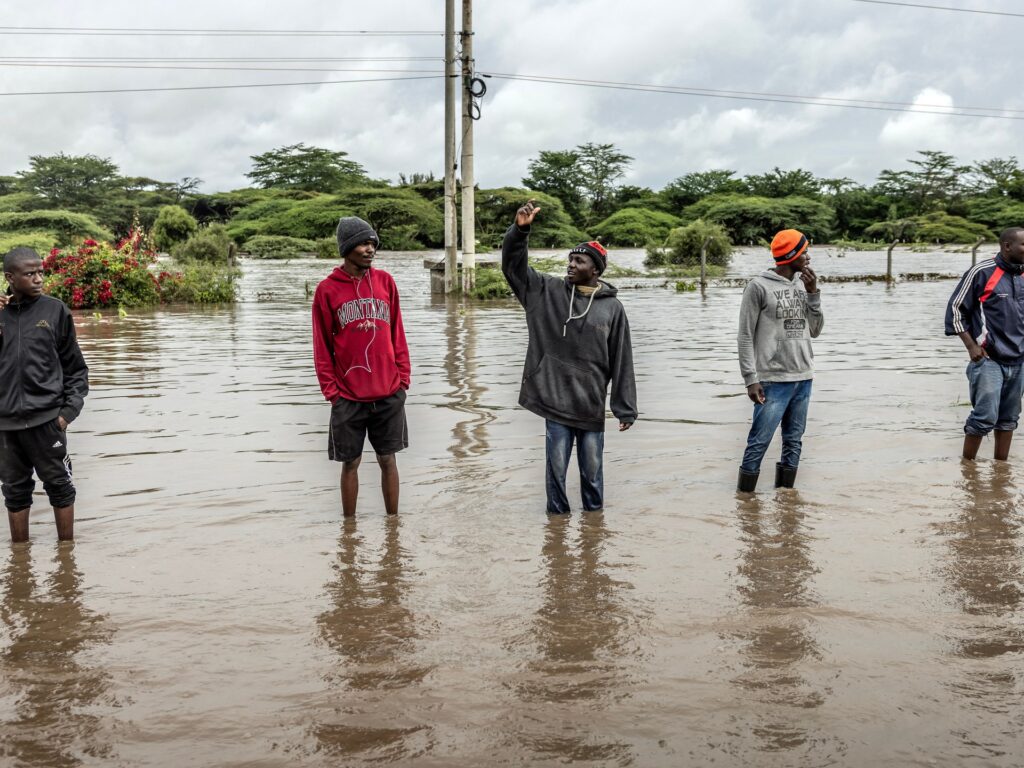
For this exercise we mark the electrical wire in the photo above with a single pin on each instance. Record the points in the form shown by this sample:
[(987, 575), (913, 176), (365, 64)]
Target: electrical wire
[(197, 59), (820, 101), (155, 32), (163, 67), (941, 8), (217, 87)]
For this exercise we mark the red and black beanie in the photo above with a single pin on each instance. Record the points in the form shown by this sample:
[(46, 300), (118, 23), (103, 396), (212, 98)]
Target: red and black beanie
[(595, 251), (788, 245)]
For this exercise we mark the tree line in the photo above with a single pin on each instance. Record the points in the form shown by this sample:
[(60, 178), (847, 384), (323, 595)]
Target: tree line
[(297, 193)]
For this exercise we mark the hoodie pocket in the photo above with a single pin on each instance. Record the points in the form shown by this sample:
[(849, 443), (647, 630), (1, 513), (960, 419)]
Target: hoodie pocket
[(567, 389), (792, 356)]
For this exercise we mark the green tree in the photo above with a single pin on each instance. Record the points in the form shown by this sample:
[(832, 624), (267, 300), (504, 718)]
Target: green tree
[(496, 210), (635, 227), (310, 168), (935, 182), (173, 225), (556, 173), (600, 168), (688, 189), (80, 183), (779, 183), (684, 245), (749, 219), (999, 177)]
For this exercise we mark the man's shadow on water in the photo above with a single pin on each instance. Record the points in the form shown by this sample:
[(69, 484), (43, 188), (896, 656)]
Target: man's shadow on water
[(45, 691), (585, 634), (984, 569), (776, 569), (375, 635)]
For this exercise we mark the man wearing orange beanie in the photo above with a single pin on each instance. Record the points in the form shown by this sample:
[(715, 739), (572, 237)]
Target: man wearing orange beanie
[(779, 315)]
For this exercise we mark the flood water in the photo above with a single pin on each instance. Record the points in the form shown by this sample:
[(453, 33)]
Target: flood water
[(216, 610)]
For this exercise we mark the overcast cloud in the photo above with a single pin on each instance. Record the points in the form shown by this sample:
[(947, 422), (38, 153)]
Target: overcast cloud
[(836, 48)]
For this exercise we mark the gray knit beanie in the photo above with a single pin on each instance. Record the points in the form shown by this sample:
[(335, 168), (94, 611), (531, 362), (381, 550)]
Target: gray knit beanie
[(351, 232)]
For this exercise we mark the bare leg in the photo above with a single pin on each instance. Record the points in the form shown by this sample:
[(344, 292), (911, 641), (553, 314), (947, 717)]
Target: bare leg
[(349, 486), (389, 482), (65, 519), (971, 445), (19, 525), (1003, 445)]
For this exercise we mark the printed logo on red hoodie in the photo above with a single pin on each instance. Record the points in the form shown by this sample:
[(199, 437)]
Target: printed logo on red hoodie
[(359, 344)]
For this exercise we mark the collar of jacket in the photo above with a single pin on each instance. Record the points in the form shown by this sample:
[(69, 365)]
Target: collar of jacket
[(1008, 266)]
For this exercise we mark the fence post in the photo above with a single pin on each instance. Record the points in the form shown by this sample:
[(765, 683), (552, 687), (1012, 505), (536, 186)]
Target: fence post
[(704, 265), (974, 251), (888, 262)]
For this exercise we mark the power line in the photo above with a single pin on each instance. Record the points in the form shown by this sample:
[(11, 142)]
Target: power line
[(820, 101), (162, 68), (941, 8), (217, 87), (154, 32), (144, 59)]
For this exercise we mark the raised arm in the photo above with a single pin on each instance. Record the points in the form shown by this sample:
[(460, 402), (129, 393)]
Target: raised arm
[(522, 278)]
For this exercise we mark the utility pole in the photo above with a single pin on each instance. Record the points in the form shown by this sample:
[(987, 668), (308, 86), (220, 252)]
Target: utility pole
[(451, 227), (468, 180)]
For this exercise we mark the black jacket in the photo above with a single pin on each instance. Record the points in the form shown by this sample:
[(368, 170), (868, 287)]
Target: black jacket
[(42, 372), (569, 363)]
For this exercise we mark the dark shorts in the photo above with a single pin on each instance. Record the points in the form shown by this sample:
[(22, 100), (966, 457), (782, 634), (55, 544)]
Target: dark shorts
[(43, 449), (383, 420)]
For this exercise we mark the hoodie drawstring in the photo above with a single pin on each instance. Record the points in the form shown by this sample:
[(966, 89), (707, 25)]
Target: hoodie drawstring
[(572, 317)]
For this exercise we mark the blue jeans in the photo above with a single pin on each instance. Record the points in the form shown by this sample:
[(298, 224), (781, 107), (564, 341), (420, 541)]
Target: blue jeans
[(995, 394), (786, 404), (589, 455)]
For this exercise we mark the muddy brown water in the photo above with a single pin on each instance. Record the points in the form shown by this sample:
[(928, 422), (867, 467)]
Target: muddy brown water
[(216, 611)]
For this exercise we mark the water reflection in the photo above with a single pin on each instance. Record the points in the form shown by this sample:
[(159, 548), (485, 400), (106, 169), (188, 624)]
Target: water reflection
[(985, 571), (46, 689), (778, 637), (585, 632), (374, 634), (469, 436)]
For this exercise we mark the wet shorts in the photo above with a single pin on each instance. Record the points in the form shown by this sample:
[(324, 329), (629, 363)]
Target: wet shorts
[(383, 420), (43, 449)]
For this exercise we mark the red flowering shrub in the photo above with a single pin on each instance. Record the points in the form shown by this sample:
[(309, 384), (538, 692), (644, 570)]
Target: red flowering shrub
[(103, 275)]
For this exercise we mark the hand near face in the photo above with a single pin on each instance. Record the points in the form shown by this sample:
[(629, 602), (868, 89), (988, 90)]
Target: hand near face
[(810, 279)]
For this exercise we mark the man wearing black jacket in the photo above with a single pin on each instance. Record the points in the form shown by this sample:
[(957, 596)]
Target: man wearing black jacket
[(579, 343), (43, 384)]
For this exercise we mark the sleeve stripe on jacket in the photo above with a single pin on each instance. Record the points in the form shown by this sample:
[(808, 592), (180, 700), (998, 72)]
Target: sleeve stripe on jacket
[(966, 285)]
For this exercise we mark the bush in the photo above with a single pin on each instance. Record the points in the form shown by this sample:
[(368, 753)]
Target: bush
[(750, 219), (210, 245), (173, 225), (67, 225), (684, 244), (496, 210), (278, 247), (41, 242), (490, 284), (20, 202), (327, 248), (102, 275), (936, 227), (633, 227), (199, 284)]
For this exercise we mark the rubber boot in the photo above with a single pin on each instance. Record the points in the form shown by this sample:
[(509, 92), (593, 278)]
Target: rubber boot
[(747, 481), (784, 476)]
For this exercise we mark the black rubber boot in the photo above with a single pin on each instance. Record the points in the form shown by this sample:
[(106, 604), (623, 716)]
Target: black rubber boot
[(785, 476), (747, 481)]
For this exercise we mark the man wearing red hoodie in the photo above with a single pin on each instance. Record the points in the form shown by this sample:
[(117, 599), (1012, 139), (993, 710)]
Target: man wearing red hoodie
[(362, 362)]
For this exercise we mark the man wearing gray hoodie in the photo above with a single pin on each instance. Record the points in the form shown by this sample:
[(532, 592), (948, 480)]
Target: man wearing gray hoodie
[(779, 315), (579, 344)]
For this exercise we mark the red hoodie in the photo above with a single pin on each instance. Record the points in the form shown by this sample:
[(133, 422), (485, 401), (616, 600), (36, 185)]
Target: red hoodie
[(359, 344)]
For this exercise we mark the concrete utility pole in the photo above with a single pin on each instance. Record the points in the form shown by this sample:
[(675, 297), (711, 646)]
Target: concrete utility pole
[(468, 181), (451, 230)]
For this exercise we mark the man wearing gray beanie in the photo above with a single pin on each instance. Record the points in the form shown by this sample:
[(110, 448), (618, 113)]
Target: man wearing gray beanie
[(362, 362)]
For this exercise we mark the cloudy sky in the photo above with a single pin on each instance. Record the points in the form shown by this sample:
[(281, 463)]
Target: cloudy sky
[(840, 49)]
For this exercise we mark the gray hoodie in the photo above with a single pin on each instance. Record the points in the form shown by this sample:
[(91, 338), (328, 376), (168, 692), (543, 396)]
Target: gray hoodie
[(778, 319), (578, 345)]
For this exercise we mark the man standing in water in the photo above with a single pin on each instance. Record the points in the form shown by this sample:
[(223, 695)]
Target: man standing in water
[(45, 381), (362, 362), (986, 312), (579, 343), (779, 315)]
